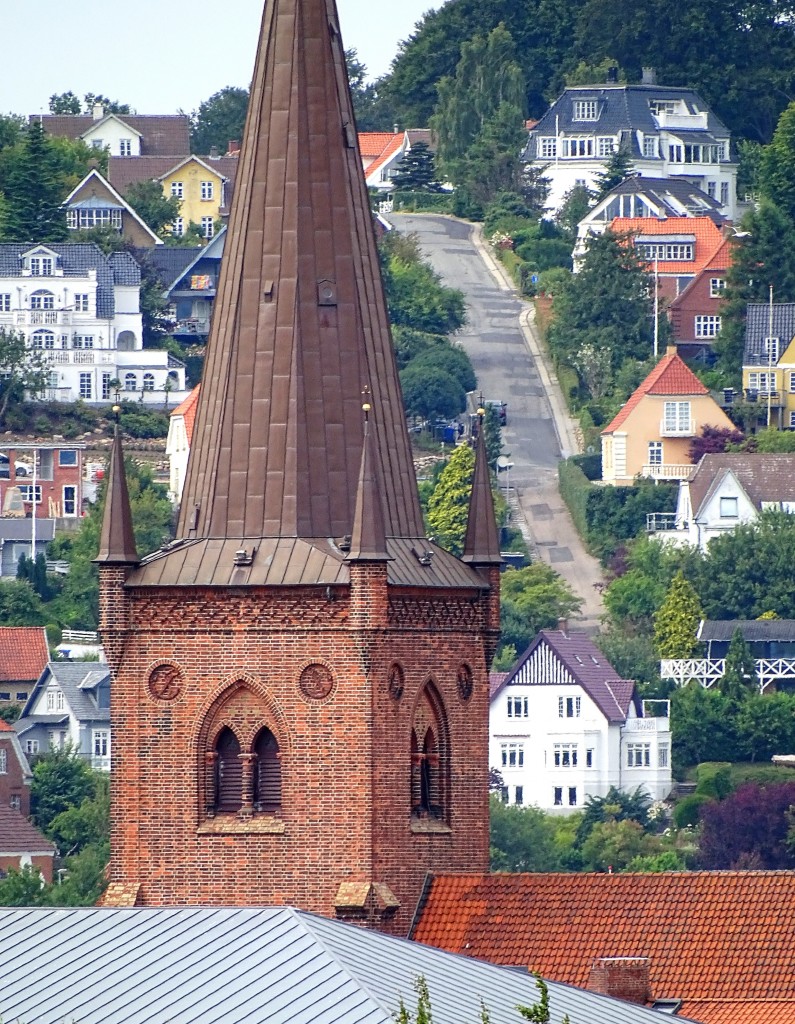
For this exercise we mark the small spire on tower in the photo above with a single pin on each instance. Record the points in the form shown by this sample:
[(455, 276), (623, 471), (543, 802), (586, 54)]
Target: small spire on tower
[(117, 540), (482, 544), (368, 536)]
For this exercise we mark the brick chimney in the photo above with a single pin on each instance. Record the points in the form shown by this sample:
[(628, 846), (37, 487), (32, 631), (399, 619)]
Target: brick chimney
[(622, 977)]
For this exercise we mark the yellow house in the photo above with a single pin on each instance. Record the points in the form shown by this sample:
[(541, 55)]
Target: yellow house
[(202, 191), (652, 434), (769, 362)]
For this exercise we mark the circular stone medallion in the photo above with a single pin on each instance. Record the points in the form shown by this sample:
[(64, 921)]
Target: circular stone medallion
[(316, 682), (465, 682), (165, 682)]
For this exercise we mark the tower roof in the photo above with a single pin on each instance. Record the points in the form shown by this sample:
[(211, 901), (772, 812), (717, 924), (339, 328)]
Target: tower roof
[(299, 332), (368, 541), (299, 325), (117, 540), (482, 543)]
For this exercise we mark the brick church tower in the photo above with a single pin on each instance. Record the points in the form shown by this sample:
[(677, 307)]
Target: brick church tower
[(300, 680)]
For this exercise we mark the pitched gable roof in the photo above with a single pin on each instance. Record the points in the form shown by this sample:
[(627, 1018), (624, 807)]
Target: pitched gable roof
[(161, 134), (94, 177), (555, 657), (23, 653), (764, 477), (389, 152), (719, 940), (373, 144), (757, 328), (173, 963), (705, 235), (187, 409), (18, 835), (669, 377)]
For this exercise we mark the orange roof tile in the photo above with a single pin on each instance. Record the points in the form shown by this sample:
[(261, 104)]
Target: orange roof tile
[(5, 727), (373, 144), (710, 936), (706, 233), (23, 653), (187, 409), (387, 152), (671, 376)]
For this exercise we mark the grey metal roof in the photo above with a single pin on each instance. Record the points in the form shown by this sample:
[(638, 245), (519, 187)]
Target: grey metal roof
[(19, 529), (76, 259), (757, 328), (675, 196), (202, 965), (621, 108), (96, 203), (751, 629), (168, 261)]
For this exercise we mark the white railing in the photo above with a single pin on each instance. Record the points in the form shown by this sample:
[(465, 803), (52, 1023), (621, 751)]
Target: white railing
[(81, 356), (647, 725), (677, 429), (79, 636), (37, 317), (660, 521), (677, 120), (708, 671), (669, 472)]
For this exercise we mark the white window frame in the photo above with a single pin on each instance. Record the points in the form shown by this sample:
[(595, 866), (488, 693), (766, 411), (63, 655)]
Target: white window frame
[(42, 300), (42, 266), (5, 302), (650, 151), (518, 796), (177, 190), (655, 453), (572, 796), (207, 227), (585, 110), (26, 493), (676, 417), (666, 252), (564, 755), (578, 147), (717, 287), (130, 382), (663, 756), (770, 349), (100, 742), (729, 507), (557, 796), (518, 707), (31, 746), (69, 501), (125, 147), (638, 755), (207, 191), (86, 386), (569, 707), (589, 759), (512, 755), (706, 325), (81, 302), (605, 145), (763, 381), (724, 193), (178, 227), (3, 761), (15, 803), (548, 147)]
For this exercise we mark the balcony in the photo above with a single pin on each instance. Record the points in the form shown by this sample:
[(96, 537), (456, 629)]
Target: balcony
[(776, 399), (43, 318), (193, 325), (669, 472), (684, 428), (689, 121), (81, 356), (657, 522), (708, 671)]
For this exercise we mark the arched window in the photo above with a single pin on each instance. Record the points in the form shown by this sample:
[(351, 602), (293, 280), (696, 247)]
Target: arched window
[(130, 382), (229, 773), (42, 300), (149, 382), (267, 772), (429, 758), (43, 339)]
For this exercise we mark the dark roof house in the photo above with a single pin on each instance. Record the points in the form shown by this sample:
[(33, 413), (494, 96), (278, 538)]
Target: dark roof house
[(160, 134)]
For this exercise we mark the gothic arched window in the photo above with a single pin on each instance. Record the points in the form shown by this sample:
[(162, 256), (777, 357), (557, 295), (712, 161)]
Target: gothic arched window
[(229, 772), (429, 758)]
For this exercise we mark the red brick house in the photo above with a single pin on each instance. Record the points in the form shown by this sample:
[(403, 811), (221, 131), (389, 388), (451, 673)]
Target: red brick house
[(21, 843), (712, 946), (695, 313), (15, 774), (300, 680), (24, 654), (58, 487)]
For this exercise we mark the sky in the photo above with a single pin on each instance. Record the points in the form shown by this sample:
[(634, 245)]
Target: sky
[(158, 57)]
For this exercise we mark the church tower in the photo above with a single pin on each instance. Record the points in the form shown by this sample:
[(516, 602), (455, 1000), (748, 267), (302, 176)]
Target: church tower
[(300, 680)]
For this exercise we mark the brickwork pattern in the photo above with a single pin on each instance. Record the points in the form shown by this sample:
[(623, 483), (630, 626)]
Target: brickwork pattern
[(345, 760)]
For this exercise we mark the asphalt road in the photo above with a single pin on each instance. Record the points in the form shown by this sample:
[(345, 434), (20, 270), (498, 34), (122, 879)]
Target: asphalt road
[(510, 366)]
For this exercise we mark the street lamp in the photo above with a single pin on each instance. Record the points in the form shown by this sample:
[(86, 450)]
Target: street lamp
[(504, 463)]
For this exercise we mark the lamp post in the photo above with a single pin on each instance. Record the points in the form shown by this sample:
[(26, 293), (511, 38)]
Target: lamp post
[(769, 356)]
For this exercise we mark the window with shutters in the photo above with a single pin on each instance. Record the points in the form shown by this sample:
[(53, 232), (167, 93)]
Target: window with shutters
[(267, 773), (228, 773)]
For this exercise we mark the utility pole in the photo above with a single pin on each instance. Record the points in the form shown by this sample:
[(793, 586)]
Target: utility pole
[(769, 356)]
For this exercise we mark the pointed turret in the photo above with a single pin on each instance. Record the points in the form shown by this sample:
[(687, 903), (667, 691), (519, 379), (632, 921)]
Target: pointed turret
[(117, 540), (368, 537), (299, 322), (482, 543)]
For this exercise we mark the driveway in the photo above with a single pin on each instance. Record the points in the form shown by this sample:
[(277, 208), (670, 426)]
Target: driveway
[(510, 365)]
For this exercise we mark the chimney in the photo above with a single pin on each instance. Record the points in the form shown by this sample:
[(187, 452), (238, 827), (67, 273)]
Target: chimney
[(97, 111), (563, 626), (622, 977), (213, 152), (670, 350), (648, 76), (233, 149), (395, 129)]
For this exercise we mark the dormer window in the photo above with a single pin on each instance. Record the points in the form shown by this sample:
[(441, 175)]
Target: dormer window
[(42, 266), (586, 110), (125, 147), (662, 107), (770, 347)]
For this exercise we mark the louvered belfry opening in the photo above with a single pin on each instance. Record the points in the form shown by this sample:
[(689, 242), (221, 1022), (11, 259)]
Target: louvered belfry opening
[(229, 773), (429, 762), (267, 773)]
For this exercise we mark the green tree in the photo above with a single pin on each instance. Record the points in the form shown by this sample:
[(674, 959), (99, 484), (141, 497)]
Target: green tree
[(677, 619), (777, 170), (416, 171), (448, 507), (532, 598), (415, 294), (23, 888), (33, 185), (593, 74), (219, 120), (65, 103), (522, 838), (86, 824), (739, 676), (617, 169), (431, 392), (92, 99), (372, 107), (153, 207), (576, 203), (20, 605), (61, 779), (614, 845), (22, 370)]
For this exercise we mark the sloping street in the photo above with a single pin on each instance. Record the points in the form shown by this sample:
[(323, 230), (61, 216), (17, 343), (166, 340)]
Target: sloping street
[(510, 365)]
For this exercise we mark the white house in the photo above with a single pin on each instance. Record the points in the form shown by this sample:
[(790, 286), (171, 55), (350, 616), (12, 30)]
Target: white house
[(723, 492), (82, 309), (669, 132), (564, 727), (70, 704), (180, 434)]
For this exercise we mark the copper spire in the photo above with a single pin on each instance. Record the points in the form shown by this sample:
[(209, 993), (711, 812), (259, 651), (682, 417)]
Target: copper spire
[(368, 538), (299, 324), (117, 540), (482, 543)]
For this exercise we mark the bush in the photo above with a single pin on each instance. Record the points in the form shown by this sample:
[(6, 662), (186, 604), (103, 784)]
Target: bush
[(590, 464), (574, 489), (143, 423), (687, 812), (714, 779)]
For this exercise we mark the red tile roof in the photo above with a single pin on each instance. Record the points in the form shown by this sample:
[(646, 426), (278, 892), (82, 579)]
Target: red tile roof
[(23, 653), (187, 409), (706, 234), (496, 679), (723, 941), (17, 835), (373, 144), (5, 727), (393, 147), (669, 377)]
